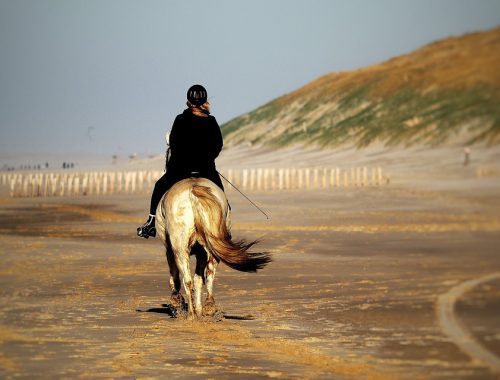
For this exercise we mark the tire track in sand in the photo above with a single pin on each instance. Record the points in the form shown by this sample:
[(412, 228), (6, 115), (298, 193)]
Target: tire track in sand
[(456, 331)]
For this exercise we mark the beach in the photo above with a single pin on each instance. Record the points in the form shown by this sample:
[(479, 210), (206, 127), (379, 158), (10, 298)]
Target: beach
[(353, 290)]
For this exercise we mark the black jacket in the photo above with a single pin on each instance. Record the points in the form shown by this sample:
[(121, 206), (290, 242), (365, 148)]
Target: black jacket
[(195, 143)]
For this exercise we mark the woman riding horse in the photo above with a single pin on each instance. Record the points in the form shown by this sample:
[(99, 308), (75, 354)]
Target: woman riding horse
[(195, 142)]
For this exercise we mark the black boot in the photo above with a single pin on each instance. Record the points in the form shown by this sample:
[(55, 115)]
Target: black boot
[(147, 229)]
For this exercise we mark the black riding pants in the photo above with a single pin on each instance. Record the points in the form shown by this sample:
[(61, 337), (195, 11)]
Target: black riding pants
[(171, 177)]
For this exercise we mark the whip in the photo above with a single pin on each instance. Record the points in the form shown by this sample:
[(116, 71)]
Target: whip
[(248, 199)]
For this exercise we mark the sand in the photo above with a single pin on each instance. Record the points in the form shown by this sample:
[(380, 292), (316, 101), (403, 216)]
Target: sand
[(351, 293)]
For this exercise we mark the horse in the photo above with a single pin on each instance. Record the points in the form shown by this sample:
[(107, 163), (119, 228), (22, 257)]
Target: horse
[(193, 218)]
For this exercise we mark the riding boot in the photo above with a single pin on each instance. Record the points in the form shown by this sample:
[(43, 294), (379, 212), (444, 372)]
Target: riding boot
[(147, 229)]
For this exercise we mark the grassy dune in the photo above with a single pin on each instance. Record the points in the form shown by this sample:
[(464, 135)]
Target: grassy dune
[(430, 96)]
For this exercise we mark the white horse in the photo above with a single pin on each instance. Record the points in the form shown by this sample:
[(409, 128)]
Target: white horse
[(193, 219)]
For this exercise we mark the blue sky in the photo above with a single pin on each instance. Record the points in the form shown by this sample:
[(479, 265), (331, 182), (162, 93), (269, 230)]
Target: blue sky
[(109, 76)]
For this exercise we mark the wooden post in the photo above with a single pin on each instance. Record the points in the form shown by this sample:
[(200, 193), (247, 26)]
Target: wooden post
[(112, 177), (63, 185), (39, 185), (379, 176), (104, 180), (98, 182), (28, 192), (139, 182), (93, 183), (245, 179), (70, 185), (26, 186), (266, 179), (237, 177), (316, 178), (89, 183), (127, 182), (252, 179), (12, 185), (85, 182), (324, 183), (144, 188), (230, 178), (53, 184), (32, 185), (134, 181), (119, 179), (77, 185), (42, 184), (45, 181)]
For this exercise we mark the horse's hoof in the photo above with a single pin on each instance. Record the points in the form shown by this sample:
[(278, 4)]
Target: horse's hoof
[(209, 309), (177, 301)]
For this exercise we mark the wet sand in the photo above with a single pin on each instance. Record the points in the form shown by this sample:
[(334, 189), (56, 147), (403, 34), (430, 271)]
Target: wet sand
[(351, 293)]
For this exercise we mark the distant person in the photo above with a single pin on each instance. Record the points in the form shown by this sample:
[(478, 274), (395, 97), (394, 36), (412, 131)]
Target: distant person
[(466, 156), (195, 142)]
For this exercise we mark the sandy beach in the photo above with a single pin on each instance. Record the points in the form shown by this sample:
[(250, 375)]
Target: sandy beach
[(353, 291)]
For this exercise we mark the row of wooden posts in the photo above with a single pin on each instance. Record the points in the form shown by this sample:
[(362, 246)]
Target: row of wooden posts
[(130, 182)]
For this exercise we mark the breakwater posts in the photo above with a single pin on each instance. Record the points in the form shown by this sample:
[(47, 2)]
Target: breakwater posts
[(79, 184), (304, 178), (142, 182)]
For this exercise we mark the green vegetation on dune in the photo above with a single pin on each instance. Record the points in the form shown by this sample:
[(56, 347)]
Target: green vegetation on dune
[(405, 118)]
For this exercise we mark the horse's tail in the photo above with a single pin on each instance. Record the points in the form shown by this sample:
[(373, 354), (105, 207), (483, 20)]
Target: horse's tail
[(210, 224)]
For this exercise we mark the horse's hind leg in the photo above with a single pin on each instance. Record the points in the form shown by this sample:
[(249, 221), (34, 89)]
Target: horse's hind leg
[(209, 308), (182, 260), (175, 282), (201, 264)]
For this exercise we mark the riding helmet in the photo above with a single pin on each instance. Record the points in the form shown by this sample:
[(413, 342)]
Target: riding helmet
[(197, 95)]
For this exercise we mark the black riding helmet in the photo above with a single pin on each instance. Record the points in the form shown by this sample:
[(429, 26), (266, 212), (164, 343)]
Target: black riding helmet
[(197, 95)]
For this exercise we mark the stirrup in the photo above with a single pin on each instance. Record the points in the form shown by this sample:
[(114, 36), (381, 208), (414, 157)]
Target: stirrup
[(147, 229), (146, 232)]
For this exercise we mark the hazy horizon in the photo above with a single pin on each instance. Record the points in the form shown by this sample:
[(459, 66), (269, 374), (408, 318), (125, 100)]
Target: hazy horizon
[(109, 78)]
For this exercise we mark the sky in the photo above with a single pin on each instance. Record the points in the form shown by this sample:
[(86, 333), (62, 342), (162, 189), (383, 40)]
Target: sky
[(109, 76)]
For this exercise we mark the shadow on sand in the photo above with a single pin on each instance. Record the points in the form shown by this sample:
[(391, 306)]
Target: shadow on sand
[(173, 312)]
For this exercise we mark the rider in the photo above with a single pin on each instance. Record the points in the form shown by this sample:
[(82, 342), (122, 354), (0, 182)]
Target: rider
[(195, 142)]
